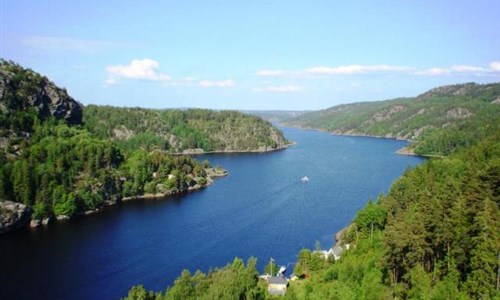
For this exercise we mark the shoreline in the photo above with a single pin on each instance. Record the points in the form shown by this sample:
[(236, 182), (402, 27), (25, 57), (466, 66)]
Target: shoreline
[(212, 175), (350, 134), (199, 151), (405, 151)]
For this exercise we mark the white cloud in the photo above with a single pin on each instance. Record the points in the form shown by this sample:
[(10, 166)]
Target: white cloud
[(270, 73), (463, 70), (143, 69), (466, 69), (147, 69), (110, 81), (217, 83), (188, 79), (339, 70), (433, 72), (495, 66), (278, 89), (458, 70), (354, 69)]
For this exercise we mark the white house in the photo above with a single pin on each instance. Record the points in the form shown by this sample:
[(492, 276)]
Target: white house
[(277, 285)]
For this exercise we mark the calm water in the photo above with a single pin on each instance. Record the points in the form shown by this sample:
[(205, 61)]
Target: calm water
[(261, 209)]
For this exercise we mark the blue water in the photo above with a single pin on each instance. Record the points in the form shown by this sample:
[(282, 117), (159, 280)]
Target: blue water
[(261, 209)]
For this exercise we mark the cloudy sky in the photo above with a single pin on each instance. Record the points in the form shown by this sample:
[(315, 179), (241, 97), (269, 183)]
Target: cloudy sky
[(261, 54)]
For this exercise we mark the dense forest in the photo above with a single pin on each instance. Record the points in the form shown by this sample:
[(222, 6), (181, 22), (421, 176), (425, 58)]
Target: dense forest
[(434, 235), (438, 122), (180, 130)]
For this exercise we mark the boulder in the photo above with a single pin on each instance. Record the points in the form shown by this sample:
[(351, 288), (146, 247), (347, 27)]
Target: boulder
[(13, 215), (62, 217), (35, 223), (46, 221)]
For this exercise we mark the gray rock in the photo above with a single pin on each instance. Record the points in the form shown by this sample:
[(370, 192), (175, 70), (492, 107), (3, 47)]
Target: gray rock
[(13, 215), (62, 217), (35, 223), (47, 99)]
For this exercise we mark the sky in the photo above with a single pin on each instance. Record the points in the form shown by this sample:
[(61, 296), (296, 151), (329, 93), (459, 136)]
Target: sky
[(252, 55)]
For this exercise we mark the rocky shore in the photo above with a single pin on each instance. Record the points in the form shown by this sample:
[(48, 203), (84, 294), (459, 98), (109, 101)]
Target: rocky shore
[(261, 149), (403, 151), (14, 215), (406, 151), (212, 173)]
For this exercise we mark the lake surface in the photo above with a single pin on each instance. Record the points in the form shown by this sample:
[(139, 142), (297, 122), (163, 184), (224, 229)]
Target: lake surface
[(261, 209)]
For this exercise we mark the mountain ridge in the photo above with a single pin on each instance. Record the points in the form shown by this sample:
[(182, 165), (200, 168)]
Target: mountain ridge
[(432, 113)]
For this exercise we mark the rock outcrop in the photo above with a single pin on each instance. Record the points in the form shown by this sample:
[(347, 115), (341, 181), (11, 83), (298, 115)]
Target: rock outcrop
[(13, 215), (22, 89)]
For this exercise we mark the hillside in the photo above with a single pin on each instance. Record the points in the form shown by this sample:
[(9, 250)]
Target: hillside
[(189, 130), (427, 119)]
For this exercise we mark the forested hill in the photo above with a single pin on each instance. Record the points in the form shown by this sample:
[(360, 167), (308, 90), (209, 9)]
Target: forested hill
[(189, 130), (430, 119), (51, 166)]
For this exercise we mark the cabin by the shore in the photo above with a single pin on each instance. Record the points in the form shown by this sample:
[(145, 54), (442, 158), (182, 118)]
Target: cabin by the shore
[(336, 251), (277, 285)]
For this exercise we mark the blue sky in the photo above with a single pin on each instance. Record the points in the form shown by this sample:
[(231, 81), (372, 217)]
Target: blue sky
[(269, 54)]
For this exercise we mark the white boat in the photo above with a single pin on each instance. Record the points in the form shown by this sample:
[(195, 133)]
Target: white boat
[(304, 179), (282, 270)]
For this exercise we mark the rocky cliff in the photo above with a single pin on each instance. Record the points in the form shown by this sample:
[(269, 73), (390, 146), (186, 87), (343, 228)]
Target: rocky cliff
[(26, 97), (13, 215), (23, 89)]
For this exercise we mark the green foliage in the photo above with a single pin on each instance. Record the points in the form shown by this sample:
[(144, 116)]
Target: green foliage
[(65, 170), (138, 292), (271, 268), (372, 217), (308, 261), (443, 222), (234, 281)]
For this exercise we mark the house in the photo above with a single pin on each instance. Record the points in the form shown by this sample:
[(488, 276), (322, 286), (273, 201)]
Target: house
[(336, 251), (277, 285)]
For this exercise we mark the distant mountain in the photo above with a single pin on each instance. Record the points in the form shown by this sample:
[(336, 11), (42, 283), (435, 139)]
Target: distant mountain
[(470, 109), (275, 115)]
